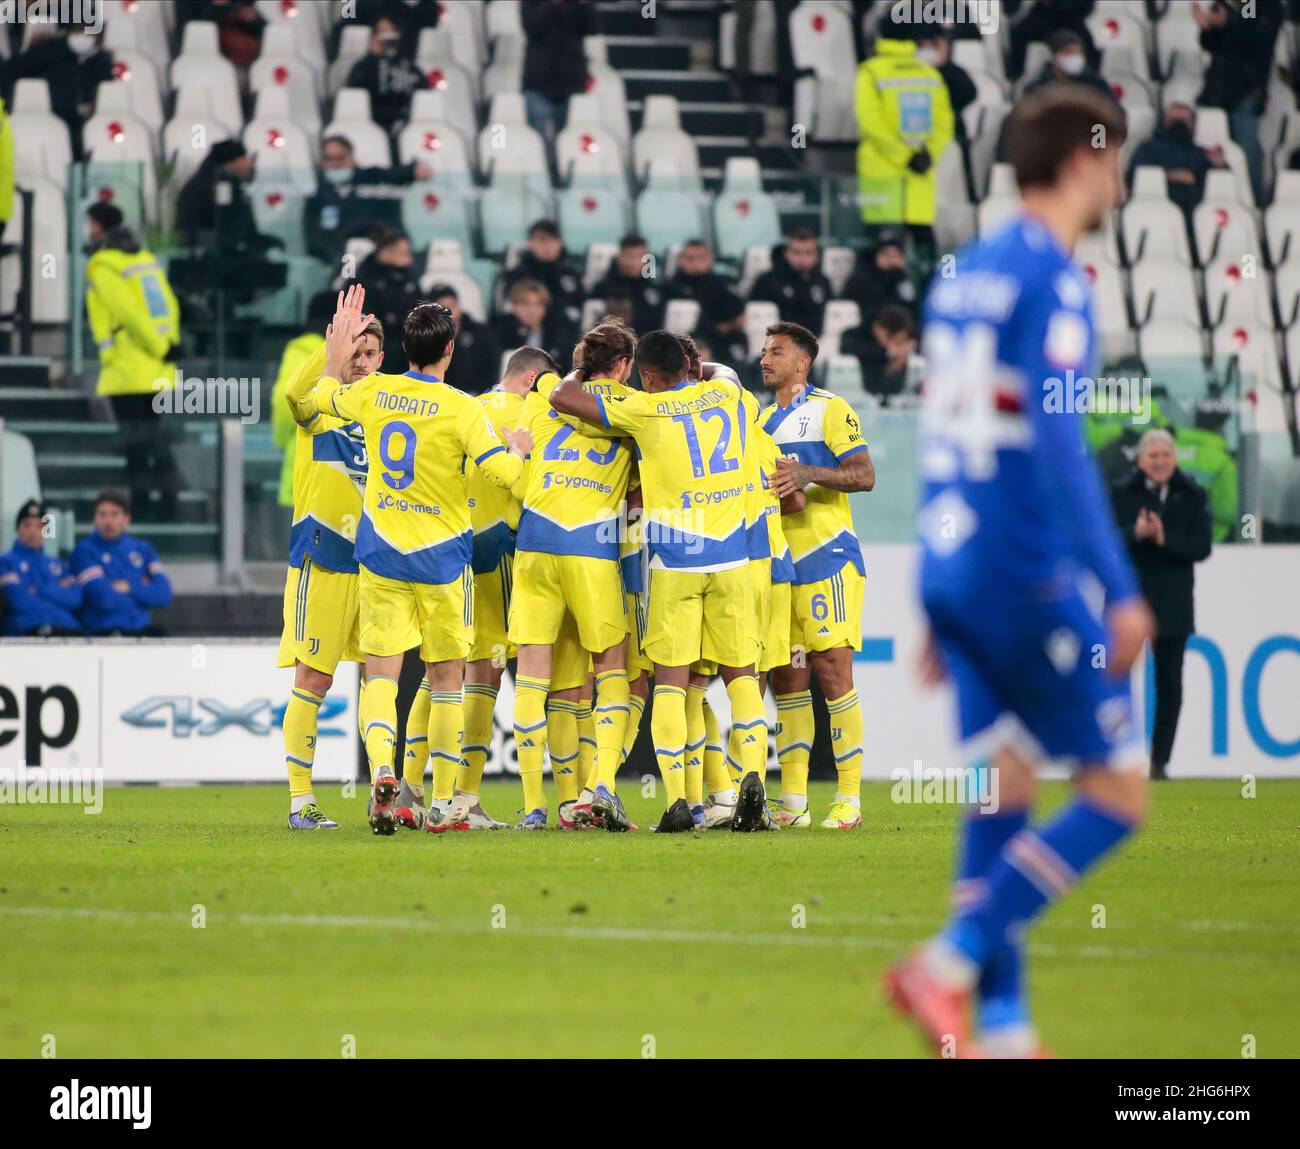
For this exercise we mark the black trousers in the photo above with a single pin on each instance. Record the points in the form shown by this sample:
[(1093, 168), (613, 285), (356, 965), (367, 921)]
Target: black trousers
[(1169, 697), (151, 468)]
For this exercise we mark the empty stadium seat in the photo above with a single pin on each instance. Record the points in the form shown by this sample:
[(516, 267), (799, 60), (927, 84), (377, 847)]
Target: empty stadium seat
[(507, 209), (758, 318), (506, 72), (437, 213), (137, 27), (666, 214), (504, 19), (607, 86), (839, 317), (140, 75), (682, 315), (353, 121), (43, 146), (113, 105), (467, 289), (1152, 228), (599, 258), (584, 138), (275, 138), (1110, 307), (1224, 229), (201, 64), (441, 147), (292, 22), (278, 210), (1149, 182), (49, 255), (354, 43), (296, 76), (1234, 293), (592, 215), (743, 214), (843, 375), (1164, 289), (821, 41), (437, 53), (521, 163), (838, 263), (661, 137)]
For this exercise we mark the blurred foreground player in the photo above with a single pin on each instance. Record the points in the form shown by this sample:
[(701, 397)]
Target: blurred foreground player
[(1013, 516)]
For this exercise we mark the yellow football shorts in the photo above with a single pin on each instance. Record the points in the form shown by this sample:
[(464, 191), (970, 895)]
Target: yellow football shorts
[(436, 617), (701, 615), (637, 662), (828, 613), (570, 661), (775, 622), (492, 613), (320, 618), (546, 587)]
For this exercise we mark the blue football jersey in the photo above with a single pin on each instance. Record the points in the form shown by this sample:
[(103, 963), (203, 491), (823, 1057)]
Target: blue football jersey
[(1012, 503)]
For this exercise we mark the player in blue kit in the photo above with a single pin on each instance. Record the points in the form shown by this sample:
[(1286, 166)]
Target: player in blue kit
[(1014, 523)]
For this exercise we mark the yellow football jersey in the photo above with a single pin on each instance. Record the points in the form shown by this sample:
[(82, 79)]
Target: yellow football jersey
[(819, 429), (576, 481), (771, 532), (329, 477), (415, 524), (690, 449), (494, 511)]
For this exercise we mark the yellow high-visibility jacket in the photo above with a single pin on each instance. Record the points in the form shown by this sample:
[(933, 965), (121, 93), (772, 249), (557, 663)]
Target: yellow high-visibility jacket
[(134, 318), (902, 105), (284, 430), (6, 168)]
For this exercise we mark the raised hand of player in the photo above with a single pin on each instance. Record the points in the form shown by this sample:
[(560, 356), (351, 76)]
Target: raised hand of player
[(791, 476), (1129, 625)]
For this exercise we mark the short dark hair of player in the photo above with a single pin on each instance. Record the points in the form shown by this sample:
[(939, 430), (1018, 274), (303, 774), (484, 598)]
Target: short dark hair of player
[(531, 359), (114, 498), (894, 319), (1053, 122), (800, 336), (693, 368), (604, 345), (662, 353), (427, 334)]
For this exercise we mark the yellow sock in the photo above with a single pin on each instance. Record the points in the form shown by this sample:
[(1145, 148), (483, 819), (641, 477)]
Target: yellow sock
[(446, 731), (846, 744), (417, 737), (612, 709), (586, 744), (749, 725), (562, 745), (794, 738), (379, 721), (480, 705), (695, 739), (717, 778), (300, 739), (361, 699), (530, 737), (668, 728), (633, 728)]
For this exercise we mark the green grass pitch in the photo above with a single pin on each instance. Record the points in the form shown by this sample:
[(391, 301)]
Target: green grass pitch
[(597, 945)]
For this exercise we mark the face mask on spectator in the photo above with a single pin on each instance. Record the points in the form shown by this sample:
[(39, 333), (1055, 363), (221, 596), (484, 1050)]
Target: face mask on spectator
[(928, 56), (1072, 64), (391, 43), (1179, 131), (338, 176), (81, 43)]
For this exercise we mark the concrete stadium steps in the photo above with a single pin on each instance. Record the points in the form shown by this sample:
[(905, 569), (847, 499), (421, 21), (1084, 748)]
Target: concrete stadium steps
[(26, 404), (657, 52), (18, 371), (710, 119), (684, 19), (688, 87)]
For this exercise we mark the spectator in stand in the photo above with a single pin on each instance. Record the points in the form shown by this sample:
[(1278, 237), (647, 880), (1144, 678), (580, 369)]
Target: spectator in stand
[(555, 61), (935, 49), (392, 283), (41, 595), (880, 277), (618, 305), (1069, 64), (795, 282), (904, 124), (239, 28), (546, 262), (476, 362), (1240, 36), (135, 321), (1185, 162), (228, 163), (120, 575), (412, 16), (530, 321), (388, 74), (1042, 22), (694, 278), (73, 63), (349, 200), (628, 273), (1166, 523), (726, 335), (885, 345)]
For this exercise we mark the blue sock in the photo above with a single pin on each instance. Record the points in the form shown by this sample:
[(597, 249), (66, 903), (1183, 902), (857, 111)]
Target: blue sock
[(1001, 985), (1034, 869)]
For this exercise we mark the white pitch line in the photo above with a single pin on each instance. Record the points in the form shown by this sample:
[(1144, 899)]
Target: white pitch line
[(796, 938)]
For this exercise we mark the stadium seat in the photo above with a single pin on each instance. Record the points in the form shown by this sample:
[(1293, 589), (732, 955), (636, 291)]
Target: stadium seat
[(608, 87), (838, 263), (758, 318), (839, 317), (1110, 307), (467, 290), (584, 137), (467, 37), (1225, 229), (1234, 293), (757, 258), (666, 214), (439, 108), (1171, 341), (295, 76), (1254, 348), (290, 22), (994, 211), (437, 54), (743, 214), (521, 164), (504, 19), (136, 27), (460, 92), (507, 209), (592, 310), (278, 210), (1149, 182), (982, 147), (843, 375), (1286, 283), (821, 40), (441, 147), (140, 75), (120, 145), (275, 138), (506, 72), (661, 138), (49, 255), (43, 146), (354, 43), (1151, 228), (445, 257), (432, 213), (682, 315), (1178, 43), (201, 64), (599, 258), (1164, 289), (592, 215), (352, 120)]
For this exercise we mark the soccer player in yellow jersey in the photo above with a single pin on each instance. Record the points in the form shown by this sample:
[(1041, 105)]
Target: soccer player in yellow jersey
[(414, 541), (567, 563), (824, 455), (494, 517), (690, 442), (320, 592)]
